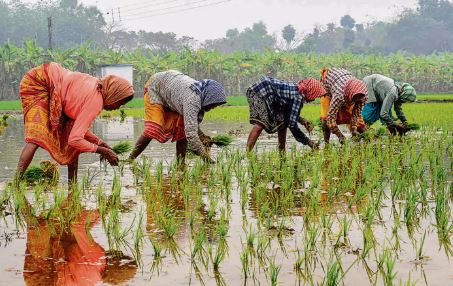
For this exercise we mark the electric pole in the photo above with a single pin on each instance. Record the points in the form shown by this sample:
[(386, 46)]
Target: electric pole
[(49, 31)]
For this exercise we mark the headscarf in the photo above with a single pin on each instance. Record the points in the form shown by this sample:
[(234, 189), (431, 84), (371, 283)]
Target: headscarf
[(353, 87), (114, 88), (311, 88), (406, 92), (212, 92), (324, 72)]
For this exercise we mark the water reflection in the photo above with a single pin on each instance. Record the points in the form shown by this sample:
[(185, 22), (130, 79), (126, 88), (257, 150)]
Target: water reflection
[(110, 130), (63, 251)]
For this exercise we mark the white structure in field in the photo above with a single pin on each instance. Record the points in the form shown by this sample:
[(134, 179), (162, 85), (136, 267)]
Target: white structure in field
[(123, 70)]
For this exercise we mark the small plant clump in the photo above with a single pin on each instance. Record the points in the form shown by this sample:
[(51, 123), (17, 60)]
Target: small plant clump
[(222, 140), (122, 147), (47, 171)]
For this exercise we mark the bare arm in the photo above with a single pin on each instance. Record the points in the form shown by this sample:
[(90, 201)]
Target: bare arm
[(140, 146), (282, 139)]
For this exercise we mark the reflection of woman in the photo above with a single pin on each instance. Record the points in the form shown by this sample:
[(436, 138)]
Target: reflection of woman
[(174, 107), (69, 256), (59, 107), (275, 106), (347, 97)]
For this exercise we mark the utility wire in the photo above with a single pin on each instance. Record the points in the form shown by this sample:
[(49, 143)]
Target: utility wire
[(142, 5), (164, 9)]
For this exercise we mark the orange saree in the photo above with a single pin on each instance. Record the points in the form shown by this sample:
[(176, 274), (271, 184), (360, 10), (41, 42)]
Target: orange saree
[(41, 106)]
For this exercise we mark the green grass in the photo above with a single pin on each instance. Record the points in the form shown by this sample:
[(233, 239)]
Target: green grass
[(435, 96), (239, 100), (10, 105), (433, 114)]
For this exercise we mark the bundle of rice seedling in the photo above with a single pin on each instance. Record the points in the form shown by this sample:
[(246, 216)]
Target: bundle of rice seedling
[(50, 170), (366, 136), (4, 119), (33, 174), (122, 147), (47, 171), (318, 123), (380, 131), (222, 140), (413, 126)]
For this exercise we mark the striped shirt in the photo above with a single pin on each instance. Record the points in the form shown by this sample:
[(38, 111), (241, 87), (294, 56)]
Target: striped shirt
[(335, 84)]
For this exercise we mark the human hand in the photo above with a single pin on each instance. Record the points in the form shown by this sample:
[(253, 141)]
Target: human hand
[(313, 145), (109, 155)]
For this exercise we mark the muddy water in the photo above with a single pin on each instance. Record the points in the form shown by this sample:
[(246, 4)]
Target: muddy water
[(112, 131), (19, 244)]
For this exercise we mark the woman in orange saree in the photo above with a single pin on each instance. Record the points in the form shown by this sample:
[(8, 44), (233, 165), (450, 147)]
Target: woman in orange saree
[(59, 107)]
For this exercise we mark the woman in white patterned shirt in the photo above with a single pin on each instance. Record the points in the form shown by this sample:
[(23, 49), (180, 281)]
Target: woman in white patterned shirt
[(174, 106)]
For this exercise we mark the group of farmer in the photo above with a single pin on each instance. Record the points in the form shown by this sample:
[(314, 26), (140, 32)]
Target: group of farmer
[(60, 106)]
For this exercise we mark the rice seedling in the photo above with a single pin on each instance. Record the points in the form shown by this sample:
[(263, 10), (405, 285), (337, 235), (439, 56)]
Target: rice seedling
[(157, 248), (251, 236), (138, 241), (386, 267), (245, 262), (273, 272), (333, 275), (122, 147), (222, 140), (47, 172), (342, 237), (123, 115), (218, 258)]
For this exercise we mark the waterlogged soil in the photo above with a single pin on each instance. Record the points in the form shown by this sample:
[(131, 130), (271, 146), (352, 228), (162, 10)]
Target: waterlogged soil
[(32, 255)]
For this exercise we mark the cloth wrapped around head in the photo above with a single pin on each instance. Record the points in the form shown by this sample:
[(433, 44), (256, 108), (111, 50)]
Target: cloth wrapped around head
[(406, 92), (311, 88), (114, 88), (212, 92), (324, 72)]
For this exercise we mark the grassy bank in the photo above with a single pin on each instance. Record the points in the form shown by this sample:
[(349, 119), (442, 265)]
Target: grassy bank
[(240, 100), (428, 114)]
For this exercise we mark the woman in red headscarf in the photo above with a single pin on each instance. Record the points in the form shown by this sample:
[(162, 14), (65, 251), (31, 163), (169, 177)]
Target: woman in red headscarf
[(346, 96), (59, 108)]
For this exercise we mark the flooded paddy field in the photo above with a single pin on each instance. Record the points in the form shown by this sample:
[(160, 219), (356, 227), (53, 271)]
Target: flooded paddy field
[(368, 213)]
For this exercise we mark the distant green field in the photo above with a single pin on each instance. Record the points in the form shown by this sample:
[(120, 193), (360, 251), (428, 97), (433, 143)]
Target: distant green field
[(240, 100), (10, 105), (427, 114), (231, 101)]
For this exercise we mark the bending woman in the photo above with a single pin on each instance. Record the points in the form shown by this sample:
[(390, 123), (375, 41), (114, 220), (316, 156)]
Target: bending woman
[(383, 93), (346, 98), (60, 106), (174, 107), (275, 106)]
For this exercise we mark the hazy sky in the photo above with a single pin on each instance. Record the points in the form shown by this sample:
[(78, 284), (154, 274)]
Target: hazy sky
[(213, 21)]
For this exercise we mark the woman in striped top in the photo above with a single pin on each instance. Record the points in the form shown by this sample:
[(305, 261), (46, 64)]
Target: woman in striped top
[(348, 97)]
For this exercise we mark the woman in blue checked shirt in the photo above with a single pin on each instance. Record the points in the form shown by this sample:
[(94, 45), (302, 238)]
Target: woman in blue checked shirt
[(275, 106)]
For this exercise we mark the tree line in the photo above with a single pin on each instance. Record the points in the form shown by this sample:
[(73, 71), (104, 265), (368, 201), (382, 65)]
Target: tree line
[(236, 70), (424, 29)]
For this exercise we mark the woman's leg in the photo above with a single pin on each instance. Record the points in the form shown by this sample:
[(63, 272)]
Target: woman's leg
[(72, 172), (181, 149), (282, 139), (253, 136), (28, 152)]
